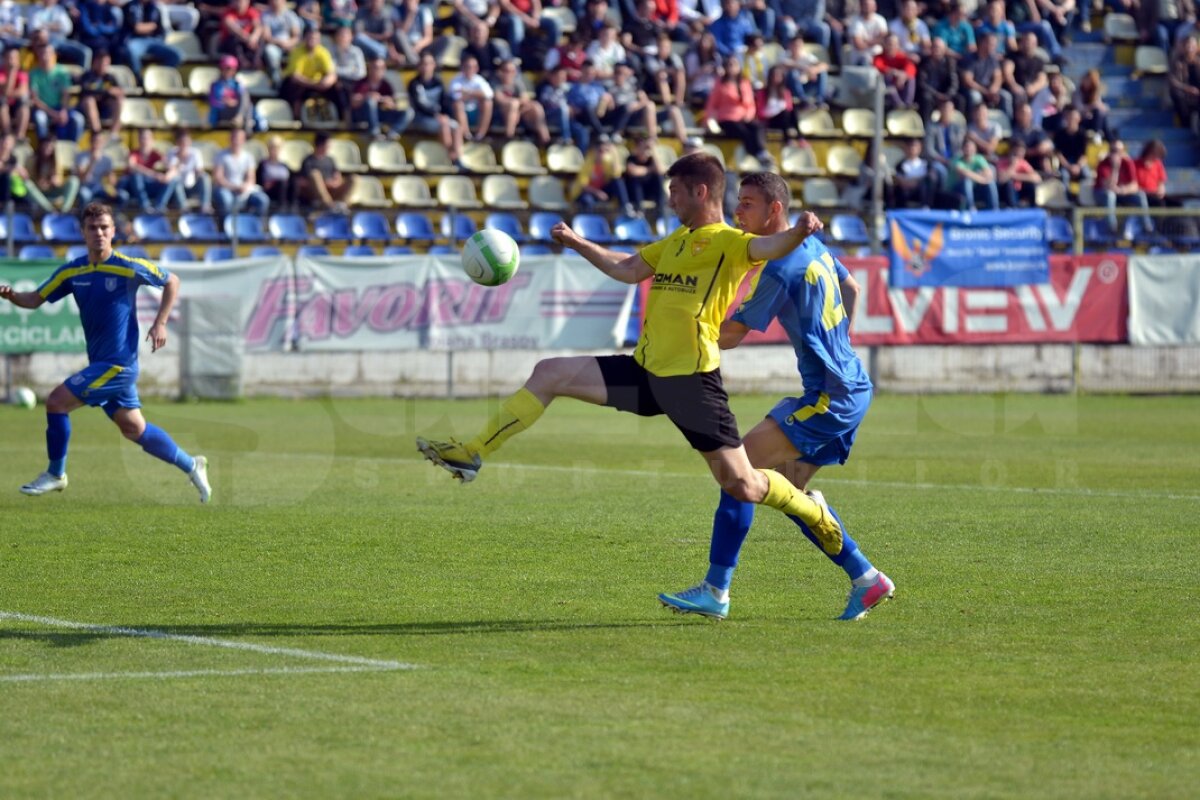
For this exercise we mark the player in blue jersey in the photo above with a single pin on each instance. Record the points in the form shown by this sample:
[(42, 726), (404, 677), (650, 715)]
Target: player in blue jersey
[(812, 295), (104, 284)]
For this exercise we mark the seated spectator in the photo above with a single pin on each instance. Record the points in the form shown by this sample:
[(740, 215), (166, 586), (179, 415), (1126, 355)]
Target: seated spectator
[(49, 83), (470, 12), (1089, 99), (937, 78), (592, 106), (1017, 178), (1024, 71), (985, 133), (99, 27), (490, 52), (375, 30), (100, 97), (14, 95), (1049, 103), (775, 106), (552, 94), (911, 31), (351, 67), (899, 74), (233, 179), (192, 182), (211, 14), (630, 102), (605, 52), (666, 80), (837, 16), (519, 17), (414, 32), (804, 18), (96, 174), (865, 34), (1037, 16), (181, 15), (807, 75), (1038, 146), (373, 102), (600, 179), (339, 13), (1151, 172), (703, 65), (1183, 79), (12, 24), (515, 105), (1117, 184), (732, 27), (275, 177), (319, 183), (982, 78), (999, 27), (732, 110), (943, 142), (639, 35), (310, 73), (143, 36), (47, 187), (148, 183), (432, 109), (282, 30), (472, 98), (1070, 146), (596, 14), (310, 13), (756, 61), (242, 34), (955, 30), (570, 55), (54, 18), (229, 102), (973, 180), (913, 178)]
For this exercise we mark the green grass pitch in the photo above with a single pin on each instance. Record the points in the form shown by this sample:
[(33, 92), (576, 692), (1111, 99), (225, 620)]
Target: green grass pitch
[(1043, 641)]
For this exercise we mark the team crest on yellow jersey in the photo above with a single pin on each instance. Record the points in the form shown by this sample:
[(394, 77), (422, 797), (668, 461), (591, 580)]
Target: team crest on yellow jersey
[(699, 246)]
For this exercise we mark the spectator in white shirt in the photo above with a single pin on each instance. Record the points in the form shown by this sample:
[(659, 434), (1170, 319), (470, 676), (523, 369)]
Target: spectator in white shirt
[(233, 175), (53, 18), (866, 33), (472, 98), (94, 169), (191, 181), (282, 29), (606, 52)]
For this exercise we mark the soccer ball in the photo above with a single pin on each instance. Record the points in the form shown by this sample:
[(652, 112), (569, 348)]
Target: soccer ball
[(490, 257), (24, 397)]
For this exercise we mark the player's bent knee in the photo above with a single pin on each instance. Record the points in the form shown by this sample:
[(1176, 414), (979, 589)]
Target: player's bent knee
[(743, 490)]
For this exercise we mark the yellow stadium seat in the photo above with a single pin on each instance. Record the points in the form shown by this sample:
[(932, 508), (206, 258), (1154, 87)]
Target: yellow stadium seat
[(368, 192), (457, 191), (346, 155), (137, 112), (502, 191), (546, 192), (743, 162), (820, 192), (843, 160), (1150, 60), (520, 157), (564, 158), (201, 79), (480, 157), (183, 114), (411, 191), (799, 161), (905, 123), (159, 79), (859, 122), (387, 157), (431, 156), (188, 45), (293, 153), (1052, 194), (276, 113), (257, 82), (818, 122)]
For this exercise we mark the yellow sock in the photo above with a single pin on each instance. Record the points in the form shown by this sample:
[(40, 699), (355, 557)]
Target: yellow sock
[(787, 498), (515, 415)]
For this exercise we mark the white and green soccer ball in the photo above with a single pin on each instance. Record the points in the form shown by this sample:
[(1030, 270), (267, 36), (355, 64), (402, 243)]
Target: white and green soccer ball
[(24, 397), (490, 257)]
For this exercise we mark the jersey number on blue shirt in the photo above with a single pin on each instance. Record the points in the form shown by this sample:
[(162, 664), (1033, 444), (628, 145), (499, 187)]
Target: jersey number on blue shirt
[(822, 269)]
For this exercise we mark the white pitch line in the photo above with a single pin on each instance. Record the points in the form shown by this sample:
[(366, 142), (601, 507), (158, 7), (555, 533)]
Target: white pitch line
[(185, 673), (111, 630)]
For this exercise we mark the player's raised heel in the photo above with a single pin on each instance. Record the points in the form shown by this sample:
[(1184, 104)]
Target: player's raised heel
[(451, 456), (863, 598), (45, 483), (199, 478), (703, 599), (827, 530)]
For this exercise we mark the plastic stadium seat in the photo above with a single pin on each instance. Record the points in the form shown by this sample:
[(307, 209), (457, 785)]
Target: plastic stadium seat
[(312, 250), (293, 153), (153, 228), (818, 122), (859, 122), (1052, 193), (633, 229), (160, 79), (457, 227), (200, 227), (359, 251), (504, 221), (265, 250), (457, 191), (1120, 28), (520, 157), (257, 82), (848, 229), (370, 225), (346, 155), (138, 112), (368, 192), (593, 227), (287, 227), (905, 123), (1135, 231), (1150, 60), (208, 151), (564, 158), (332, 227), (537, 250), (201, 79), (431, 156), (540, 223), (1059, 231), (546, 191), (276, 113), (820, 192), (743, 162), (76, 251), (387, 157), (397, 250), (844, 160), (59, 228), (442, 250), (666, 154), (502, 191), (214, 254), (248, 227), (480, 157), (665, 225), (22, 228), (32, 252), (799, 161), (134, 251), (1097, 231), (188, 45), (257, 149), (175, 254), (415, 226), (411, 191), (565, 16), (183, 113), (450, 57)]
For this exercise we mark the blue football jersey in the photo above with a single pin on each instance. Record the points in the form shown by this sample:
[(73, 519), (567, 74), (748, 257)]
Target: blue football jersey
[(107, 298), (803, 290)]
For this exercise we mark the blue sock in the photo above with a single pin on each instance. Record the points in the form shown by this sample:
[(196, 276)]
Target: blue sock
[(159, 444), (850, 559), (731, 523), (58, 434)]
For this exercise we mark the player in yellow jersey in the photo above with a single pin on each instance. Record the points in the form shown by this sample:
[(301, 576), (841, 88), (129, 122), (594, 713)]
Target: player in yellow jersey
[(675, 368)]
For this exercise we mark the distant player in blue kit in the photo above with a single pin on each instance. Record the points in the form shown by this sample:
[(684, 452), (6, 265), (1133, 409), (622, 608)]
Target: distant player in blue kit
[(812, 294), (105, 285)]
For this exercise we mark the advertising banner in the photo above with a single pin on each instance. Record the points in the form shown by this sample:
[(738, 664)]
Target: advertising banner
[(1164, 300), (427, 302), (53, 328), (985, 249)]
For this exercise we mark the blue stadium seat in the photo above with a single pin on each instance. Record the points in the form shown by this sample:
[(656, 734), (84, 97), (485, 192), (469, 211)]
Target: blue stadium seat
[(370, 225), (332, 227), (397, 250), (76, 251), (312, 250), (265, 250), (249, 227), (633, 229), (507, 222), (457, 227), (176, 253), (593, 227), (199, 228), (848, 229), (1059, 231), (1097, 232), (22, 229), (415, 226), (666, 224), (1135, 231), (30, 252), (61, 228), (359, 250), (537, 250), (153, 228), (214, 254), (134, 251), (442, 250), (288, 227), (540, 223)]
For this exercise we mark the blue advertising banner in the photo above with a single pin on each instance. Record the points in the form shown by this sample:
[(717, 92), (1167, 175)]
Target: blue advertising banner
[(956, 248)]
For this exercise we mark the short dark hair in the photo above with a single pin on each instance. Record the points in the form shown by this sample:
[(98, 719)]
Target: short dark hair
[(93, 210), (320, 138), (771, 185), (699, 169)]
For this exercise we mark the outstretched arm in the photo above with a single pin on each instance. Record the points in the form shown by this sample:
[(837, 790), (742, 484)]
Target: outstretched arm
[(619, 266), (158, 331), (778, 245), (732, 333), (21, 299)]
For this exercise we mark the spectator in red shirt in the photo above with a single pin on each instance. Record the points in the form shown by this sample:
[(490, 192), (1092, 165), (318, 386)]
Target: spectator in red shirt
[(731, 108), (1117, 184), (899, 73), (148, 180), (241, 34), (1151, 173)]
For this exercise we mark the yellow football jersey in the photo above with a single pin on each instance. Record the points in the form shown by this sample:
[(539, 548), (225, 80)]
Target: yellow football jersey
[(696, 274)]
